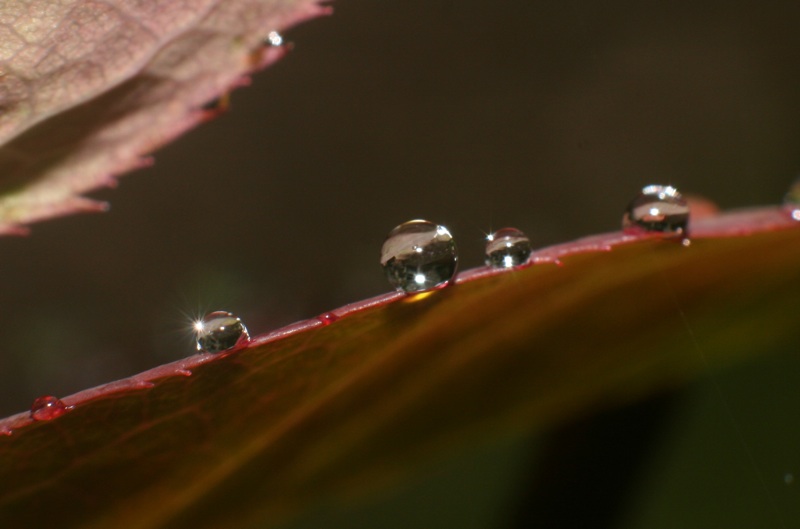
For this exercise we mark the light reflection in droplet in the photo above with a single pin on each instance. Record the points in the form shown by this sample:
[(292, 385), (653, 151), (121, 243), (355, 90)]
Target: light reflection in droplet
[(657, 209), (418, 256), (220, 331), (274, 39), (507, 248), (47, 408)]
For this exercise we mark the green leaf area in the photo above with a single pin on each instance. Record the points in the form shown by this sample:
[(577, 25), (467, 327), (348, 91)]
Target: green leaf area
[(251, 438)]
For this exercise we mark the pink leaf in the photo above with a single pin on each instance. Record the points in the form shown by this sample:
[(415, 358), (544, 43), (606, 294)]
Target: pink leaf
[(89, 89)]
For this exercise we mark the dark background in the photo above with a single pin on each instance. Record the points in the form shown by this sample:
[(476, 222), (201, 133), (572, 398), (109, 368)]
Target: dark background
[(546, 116)]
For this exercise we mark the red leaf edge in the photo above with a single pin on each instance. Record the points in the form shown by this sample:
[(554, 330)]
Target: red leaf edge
[(736, 223)]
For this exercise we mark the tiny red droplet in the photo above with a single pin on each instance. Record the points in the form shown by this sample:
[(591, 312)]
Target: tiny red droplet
[(328, 318), (46, 408)]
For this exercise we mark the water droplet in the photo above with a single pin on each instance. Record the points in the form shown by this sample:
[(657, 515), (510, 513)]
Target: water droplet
[(792, 200), (46, 408), (274, 39), (507, 248), (788, 478), (327, 318), (220, 331), (659, 209), (418, 256)]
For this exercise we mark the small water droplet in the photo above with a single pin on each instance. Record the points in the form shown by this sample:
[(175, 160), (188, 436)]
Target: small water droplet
[(659, 209), (46, 408), (788, 478), (791, 201), (327, 318), (274, 39), (220, 331), (418, 256), (507, 248)]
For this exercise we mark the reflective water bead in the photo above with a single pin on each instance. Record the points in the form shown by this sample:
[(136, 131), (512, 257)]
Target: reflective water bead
[(274, 39), (507, 248), (327, 318), (657, 208), (220, 331), (418, 256), (47, 408), (792, 200)]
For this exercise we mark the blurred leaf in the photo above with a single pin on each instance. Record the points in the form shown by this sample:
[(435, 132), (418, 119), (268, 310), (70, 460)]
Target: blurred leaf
[(88, 89), (320, 411)]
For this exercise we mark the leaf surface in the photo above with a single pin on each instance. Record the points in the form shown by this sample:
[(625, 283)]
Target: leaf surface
[(318, 411), (88, 89)]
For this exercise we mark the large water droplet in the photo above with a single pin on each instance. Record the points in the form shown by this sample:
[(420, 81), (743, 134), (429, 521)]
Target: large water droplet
[(657, 208), (507, 248), (46, 408), (220, 331), (418, 256), (792, 200)]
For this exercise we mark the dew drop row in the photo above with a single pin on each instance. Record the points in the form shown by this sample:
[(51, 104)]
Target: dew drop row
[(421, 256)]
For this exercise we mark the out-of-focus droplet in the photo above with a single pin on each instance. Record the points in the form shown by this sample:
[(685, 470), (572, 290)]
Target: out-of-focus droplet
[(220, 331), (788, 478), (657, 209), (47, 408), (274, 39), (327, 318), (418, 256), (792, 200), (507, 248)]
